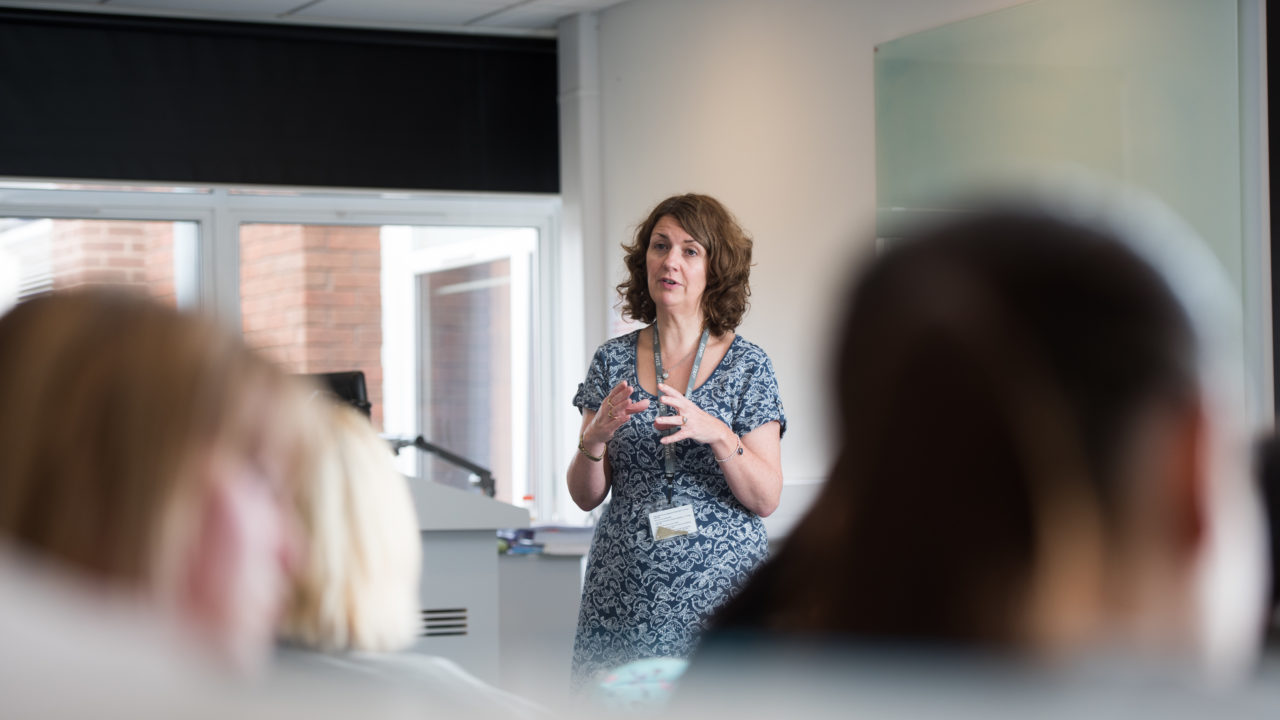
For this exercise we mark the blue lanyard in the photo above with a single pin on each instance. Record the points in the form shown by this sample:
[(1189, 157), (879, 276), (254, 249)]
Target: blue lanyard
[(669, 451)]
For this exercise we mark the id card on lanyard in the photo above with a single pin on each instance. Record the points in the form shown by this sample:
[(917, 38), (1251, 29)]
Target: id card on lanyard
[(674, 519)]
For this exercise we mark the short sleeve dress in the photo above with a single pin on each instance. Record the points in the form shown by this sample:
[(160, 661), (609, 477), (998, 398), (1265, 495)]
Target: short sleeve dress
[(644, 598)]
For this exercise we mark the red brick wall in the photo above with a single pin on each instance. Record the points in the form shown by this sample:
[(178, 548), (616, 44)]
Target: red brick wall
[(272, 280), (310, 295), (311, 298), (115, 252)]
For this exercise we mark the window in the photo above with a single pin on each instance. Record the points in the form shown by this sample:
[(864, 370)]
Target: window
[(39, 255), (439, 319), (439, 299)]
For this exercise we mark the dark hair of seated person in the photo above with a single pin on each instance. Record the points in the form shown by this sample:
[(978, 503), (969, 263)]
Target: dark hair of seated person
[(987, 369), (1267, 466)]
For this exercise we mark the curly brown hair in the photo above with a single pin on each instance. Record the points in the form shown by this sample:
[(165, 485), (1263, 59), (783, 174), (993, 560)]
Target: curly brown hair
[(724, 301)]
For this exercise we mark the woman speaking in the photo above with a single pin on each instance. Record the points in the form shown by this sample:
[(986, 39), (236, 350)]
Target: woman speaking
[(682, 421)]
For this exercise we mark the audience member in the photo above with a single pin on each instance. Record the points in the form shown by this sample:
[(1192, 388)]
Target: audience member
[(357, 589), (149, 451), (1024, 482), (1268, 471), (355, 605)]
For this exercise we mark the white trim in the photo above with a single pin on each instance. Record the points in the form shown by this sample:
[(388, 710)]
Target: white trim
[(399, 349), (521, 374), (186, 264), (474, 285), (403, 264), (220, 263), (1256, 216), (583, 256)]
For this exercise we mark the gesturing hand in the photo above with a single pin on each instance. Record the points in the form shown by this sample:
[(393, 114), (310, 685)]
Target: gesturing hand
[(690, 421), (614, 412)]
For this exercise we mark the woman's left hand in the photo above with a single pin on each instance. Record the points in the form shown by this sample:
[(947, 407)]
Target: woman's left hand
[(690, 421), (754, 476)]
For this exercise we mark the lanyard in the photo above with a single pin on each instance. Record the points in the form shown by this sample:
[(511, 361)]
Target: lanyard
[(669, 451)]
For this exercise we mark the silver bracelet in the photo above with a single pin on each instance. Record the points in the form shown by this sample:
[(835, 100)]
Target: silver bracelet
[(730, 455)]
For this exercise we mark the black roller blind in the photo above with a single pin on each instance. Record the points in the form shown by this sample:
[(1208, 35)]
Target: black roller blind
[(133, 98)]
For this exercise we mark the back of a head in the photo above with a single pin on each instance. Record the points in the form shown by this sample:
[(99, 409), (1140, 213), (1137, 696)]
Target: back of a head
[(990, 374), (1267, 468), (358, 588), (123, 423), (106, 395)]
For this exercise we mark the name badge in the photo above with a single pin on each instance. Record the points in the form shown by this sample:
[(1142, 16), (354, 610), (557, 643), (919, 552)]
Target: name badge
[(672, 523)]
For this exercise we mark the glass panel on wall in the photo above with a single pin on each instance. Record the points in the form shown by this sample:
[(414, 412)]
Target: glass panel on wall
[(437, 318), (39, 255), (1144, 92)]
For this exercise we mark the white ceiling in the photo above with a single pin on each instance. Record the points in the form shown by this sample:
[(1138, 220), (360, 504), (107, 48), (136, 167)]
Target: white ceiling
[(533, 17)]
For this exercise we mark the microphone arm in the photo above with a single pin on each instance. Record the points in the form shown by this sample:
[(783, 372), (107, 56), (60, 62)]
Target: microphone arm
[(486, 481)]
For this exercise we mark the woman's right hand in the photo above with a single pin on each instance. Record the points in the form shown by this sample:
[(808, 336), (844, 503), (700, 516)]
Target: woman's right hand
[(614, 412), (589, 478)]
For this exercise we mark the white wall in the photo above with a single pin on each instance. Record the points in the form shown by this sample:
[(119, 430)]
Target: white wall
[(769, 106)]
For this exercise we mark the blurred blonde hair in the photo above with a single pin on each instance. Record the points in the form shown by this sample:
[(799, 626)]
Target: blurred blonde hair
[(111, 405), (358, 587)]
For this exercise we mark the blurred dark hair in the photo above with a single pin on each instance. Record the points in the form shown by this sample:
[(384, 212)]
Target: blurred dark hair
[(1267, 463), (986, 366)]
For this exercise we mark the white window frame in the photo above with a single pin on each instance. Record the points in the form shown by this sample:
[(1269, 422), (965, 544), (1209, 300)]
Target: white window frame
[(212, 282), (404, 345)]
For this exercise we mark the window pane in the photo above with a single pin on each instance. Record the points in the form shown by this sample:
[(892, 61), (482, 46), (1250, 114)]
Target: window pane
[(438, 319), (310, 298), (38, 255), (467, 378)]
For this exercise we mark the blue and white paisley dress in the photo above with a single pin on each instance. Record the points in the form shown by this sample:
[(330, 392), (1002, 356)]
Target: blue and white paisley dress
[(643, 598)]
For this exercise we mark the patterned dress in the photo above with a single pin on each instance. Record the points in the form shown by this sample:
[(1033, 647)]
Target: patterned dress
[(644, 598)]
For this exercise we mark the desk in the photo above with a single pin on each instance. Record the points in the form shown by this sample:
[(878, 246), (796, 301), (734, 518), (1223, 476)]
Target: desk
[(459, 593), (538, 616)]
